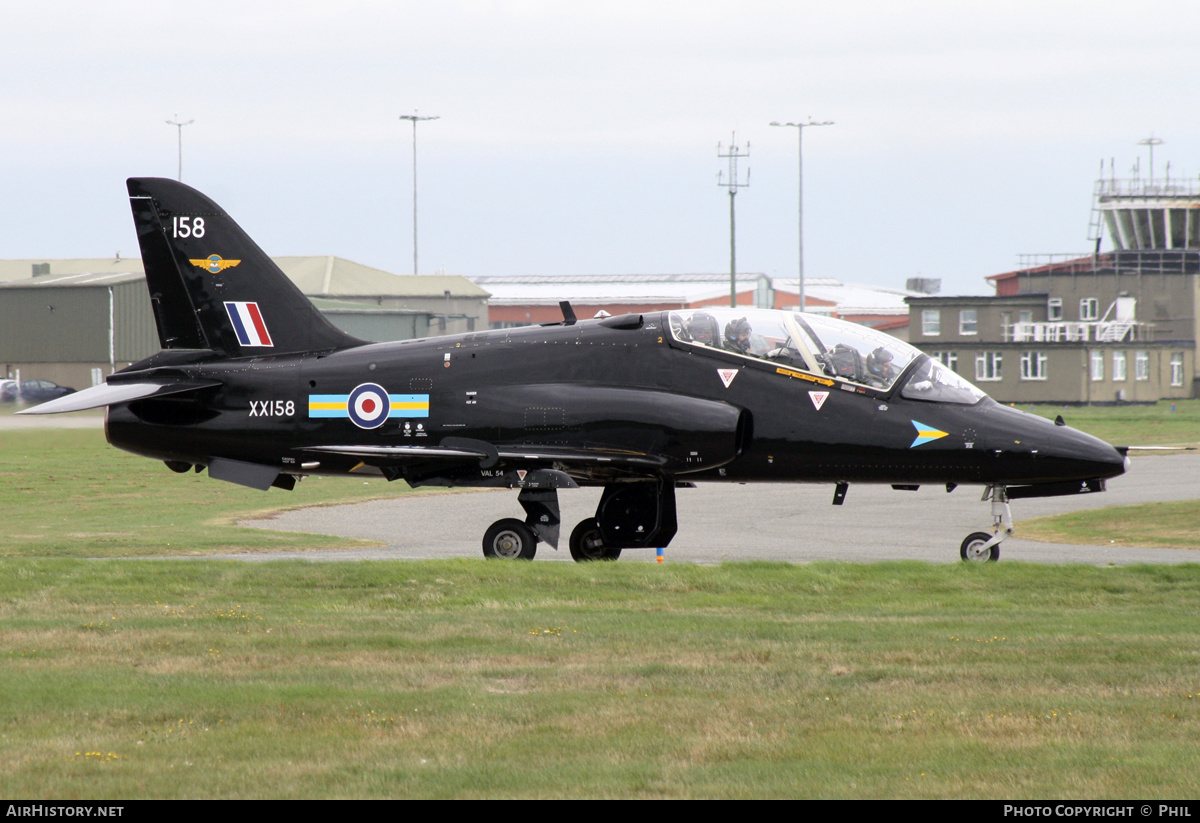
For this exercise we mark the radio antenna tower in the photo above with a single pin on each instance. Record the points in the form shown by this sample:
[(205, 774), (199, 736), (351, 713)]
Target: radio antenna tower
[(1151, 142), (733, 155)]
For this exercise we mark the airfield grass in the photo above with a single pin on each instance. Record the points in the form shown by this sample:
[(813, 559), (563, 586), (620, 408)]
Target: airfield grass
[(1165, 423), (461, 678), (133, 678), (67, 493), (1174, 525)]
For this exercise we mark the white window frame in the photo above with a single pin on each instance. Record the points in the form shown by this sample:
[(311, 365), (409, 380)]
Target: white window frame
[(968, 321), (1089, 309), (1097, 370), (931, 322), (949, 359), (1054, 309), (1177, 368), (1119, 366), (989, 366), (1034, 365), (1141, 365)]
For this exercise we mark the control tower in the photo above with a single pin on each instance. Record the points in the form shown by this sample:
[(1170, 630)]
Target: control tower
[(1147, 214)]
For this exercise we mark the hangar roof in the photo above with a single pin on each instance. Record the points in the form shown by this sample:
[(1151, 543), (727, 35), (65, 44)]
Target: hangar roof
[(850, 298), (316, 275), (684, 289), (597, 289)]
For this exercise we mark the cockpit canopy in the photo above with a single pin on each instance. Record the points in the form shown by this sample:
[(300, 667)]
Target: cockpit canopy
[(823, 346)]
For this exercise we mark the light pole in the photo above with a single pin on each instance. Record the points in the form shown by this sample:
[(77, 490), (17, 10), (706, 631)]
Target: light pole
[(733, 155), (799, 127), (414, 117), (180, 126)]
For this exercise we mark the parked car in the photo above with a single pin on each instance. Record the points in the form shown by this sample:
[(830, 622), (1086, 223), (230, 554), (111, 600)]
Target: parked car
[(8, 390), (35, 391)]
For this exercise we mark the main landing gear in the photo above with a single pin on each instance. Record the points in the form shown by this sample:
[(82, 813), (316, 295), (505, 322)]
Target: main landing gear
[(509, 539), (636, 514), (982, 547)]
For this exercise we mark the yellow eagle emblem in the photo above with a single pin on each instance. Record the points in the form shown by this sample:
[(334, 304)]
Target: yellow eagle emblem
[(214, 263)]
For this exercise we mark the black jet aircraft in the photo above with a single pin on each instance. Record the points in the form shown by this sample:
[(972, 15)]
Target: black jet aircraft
[(256, 386)]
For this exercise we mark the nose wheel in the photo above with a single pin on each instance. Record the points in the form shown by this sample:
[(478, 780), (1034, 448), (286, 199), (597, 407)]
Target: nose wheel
[(978, 548), (981, 547)]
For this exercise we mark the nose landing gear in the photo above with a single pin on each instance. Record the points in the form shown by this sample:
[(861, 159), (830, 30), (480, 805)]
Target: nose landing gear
[(982, 547)]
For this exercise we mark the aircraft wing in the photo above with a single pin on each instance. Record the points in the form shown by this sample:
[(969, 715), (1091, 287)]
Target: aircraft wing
[(488, 455), (107, 394)]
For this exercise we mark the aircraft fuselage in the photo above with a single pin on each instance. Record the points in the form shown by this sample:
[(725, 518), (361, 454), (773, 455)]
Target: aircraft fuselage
[(632, 393)]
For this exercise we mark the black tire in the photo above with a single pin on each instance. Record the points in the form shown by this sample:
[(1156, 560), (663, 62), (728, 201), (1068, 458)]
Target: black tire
[(971, 548), (509, 539), (587, 545)]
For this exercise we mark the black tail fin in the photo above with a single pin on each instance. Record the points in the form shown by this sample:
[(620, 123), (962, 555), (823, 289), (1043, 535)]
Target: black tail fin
[(212, 287)]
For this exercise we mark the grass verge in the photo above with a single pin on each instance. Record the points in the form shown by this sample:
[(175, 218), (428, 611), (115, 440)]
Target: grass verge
[(1166, 423), (66, 493), (473, 679), (1172, 525)]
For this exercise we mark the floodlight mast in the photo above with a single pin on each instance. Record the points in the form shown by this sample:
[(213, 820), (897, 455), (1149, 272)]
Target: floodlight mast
[(180, 126), (800, 127), (734, 154), (414, 117)]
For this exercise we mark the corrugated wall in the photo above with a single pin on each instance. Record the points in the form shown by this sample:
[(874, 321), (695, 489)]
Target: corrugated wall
[(71, 324)]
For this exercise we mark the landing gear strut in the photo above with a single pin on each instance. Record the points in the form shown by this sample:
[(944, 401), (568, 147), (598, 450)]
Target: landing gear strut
[(981, 546), (638, 514)]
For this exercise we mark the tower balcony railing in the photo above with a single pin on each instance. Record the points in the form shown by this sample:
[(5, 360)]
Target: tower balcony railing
[(1063, 331), (1136, 187)]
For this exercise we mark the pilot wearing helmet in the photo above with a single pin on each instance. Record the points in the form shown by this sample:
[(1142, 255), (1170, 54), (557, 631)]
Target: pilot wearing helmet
[(879, 367), (702, 328), (737, 336)]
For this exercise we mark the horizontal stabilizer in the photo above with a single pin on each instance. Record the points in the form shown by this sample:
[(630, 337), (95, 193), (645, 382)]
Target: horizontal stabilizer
[(106, 394)]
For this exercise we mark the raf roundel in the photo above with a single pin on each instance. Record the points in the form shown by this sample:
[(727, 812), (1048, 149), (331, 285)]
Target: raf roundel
[(368, 406)]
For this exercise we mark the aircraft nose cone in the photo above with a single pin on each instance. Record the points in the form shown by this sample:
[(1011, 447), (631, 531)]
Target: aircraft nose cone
[(1057, 453), (1089, 456)]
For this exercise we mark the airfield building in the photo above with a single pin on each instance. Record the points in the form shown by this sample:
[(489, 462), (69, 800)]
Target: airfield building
[(1118, 326), (521, 300), (76, 321)]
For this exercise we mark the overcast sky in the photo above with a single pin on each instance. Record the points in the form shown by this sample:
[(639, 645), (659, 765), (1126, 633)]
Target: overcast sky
[(582, 137)]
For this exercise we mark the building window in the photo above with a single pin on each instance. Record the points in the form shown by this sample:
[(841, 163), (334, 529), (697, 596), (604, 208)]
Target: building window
[(968, 321), (987, 365), (1177, 368), (1097, 365), (1089, 309), (1118, 365), (1141, 365), (1054, 309), (931, 322), (949, 359), (1033, 365)]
